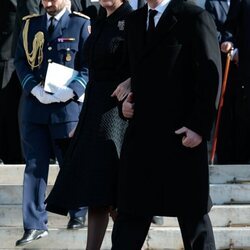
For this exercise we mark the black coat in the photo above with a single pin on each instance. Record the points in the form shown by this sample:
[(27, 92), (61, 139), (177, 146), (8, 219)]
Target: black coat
[(237, 25), (175, 81), (89, 173)]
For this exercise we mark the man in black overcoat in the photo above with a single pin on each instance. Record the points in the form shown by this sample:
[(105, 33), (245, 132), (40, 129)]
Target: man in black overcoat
[(225, 148), (237, 27), (175, 74)]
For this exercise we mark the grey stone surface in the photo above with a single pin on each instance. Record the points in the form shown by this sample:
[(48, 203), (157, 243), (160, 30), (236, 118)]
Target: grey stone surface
[(230, 216)]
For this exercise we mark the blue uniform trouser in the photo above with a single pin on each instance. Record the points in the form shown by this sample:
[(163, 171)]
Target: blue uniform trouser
[(38, 144)]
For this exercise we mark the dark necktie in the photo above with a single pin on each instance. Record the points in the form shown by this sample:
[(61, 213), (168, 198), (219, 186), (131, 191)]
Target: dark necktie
[(51, 25), (151, 24)]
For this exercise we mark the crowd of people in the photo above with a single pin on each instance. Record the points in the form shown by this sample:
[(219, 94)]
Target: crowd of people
[(115, 113)]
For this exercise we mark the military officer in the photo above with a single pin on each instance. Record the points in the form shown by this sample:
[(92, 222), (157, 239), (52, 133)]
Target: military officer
[(46, 119)]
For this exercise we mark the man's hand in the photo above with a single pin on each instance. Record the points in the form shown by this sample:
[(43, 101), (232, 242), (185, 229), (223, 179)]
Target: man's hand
[(229, 47), (64, 94), (128, 106), (190, 139), (226, 47), (42, 96)]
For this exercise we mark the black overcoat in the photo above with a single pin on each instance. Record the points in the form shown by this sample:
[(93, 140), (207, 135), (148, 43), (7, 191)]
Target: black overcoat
[(175, 82), (237, 26), (88, 176)]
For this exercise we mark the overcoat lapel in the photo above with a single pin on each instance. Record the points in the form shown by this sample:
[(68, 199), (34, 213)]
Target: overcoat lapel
[(141, 25), (165, 25)]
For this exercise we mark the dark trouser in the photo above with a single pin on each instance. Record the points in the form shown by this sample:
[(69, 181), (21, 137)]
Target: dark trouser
[(130, 232)]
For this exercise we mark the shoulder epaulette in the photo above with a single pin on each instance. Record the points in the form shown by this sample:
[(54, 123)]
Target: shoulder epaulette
[(81, 14), (30, 16)]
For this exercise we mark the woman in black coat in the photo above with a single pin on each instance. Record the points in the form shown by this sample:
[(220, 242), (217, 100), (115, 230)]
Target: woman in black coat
[(89, 175)]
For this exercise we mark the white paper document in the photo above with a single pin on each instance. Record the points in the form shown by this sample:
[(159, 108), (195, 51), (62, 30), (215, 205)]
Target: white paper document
[(57, 76)]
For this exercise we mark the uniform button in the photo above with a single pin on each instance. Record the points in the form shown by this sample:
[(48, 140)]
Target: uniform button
[(49, 48), (49, 60)]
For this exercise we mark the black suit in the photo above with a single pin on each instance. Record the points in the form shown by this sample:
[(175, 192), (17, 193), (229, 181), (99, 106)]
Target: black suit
[(184, 58), (237, 26)]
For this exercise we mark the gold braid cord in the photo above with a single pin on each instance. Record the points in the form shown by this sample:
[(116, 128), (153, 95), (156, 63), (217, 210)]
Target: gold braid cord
[(37, 47)]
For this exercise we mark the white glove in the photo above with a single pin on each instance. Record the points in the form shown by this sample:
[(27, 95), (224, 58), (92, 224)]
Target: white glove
[(64, 94), (42, 96)]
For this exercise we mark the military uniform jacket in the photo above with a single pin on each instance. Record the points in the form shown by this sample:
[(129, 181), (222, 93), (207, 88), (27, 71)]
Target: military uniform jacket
[(175, 81), (65, 47)]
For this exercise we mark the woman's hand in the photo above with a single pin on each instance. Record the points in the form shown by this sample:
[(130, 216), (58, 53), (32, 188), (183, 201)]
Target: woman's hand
[(122, 90)]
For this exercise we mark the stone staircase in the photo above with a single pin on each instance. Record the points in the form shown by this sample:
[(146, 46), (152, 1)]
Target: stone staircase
[(230, 192)]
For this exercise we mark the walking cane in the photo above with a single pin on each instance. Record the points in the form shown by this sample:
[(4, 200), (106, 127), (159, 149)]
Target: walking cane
[(221, 102)]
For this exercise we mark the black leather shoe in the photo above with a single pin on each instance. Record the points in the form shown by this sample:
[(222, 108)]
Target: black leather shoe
[(158, 220), (31, 235), (76, 223)]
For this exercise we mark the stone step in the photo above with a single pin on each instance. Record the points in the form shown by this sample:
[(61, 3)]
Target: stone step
[(230, 216), (230, 193), (11, 216), (158, 238), (229, 174), (220, 194), (13, 174), (221, 216)]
